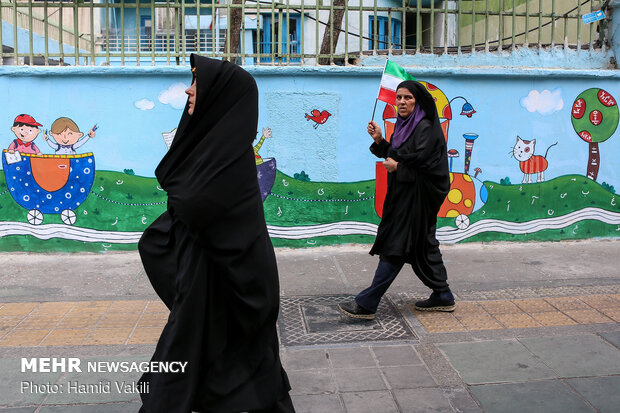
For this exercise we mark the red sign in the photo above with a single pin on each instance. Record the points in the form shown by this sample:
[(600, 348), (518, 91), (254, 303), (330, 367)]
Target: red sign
[(585, 135), (596, 117), (579, 108), (606, 99)]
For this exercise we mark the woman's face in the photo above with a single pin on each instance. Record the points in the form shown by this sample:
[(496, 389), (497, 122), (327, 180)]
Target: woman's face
[(191, 100), (405, 102)]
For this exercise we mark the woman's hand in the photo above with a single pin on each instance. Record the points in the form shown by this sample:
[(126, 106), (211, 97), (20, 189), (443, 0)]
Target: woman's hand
[(390, 164), (374, 130)]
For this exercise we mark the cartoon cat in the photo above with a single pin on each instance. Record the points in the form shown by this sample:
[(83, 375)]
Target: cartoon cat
[(530, 164)]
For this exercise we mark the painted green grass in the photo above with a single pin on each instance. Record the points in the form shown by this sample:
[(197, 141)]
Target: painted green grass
[(121, 202), (293, 202), (526, 202)]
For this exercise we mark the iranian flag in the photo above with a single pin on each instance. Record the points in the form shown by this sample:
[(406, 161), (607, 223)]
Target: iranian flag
[(393, 74)]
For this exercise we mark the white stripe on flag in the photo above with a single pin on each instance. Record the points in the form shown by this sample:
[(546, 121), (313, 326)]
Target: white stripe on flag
[(390, 82)]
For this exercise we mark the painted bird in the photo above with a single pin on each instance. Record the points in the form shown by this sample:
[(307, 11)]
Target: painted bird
[(318, 117)]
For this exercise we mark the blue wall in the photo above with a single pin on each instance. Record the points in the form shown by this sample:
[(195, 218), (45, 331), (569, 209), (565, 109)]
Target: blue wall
[(133, 106)]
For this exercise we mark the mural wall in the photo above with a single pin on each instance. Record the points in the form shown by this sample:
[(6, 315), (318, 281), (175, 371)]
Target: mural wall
[(531, 157)]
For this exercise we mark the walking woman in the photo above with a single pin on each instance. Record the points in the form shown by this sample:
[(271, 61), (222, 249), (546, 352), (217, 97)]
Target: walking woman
[(418, 182), (211, 261)]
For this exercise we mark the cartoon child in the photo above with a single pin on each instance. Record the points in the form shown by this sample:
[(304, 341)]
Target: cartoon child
[(266, 134), (26, 130), (67, 136)]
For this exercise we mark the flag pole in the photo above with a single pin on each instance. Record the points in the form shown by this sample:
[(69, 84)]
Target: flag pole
[(373, 111), (377, 99)]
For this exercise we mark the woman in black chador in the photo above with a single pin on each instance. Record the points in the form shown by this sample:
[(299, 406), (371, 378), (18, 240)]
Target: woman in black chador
[(211, 261), (418, 182)]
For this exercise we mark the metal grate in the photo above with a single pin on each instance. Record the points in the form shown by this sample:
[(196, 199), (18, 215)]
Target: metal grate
[(284, 32), (317, 320)]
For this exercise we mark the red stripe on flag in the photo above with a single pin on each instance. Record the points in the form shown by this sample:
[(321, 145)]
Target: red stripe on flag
[(387, 96)]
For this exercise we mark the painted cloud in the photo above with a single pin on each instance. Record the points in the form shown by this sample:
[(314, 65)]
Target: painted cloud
[(174, 96), (144, 104), (545, 102)]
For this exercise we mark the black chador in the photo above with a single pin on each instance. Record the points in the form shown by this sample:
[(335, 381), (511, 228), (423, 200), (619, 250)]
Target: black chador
[(210, 259)]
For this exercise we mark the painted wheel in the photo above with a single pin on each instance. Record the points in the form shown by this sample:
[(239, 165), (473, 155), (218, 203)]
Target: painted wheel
[(35, 217), (462, 221), (68, 217)]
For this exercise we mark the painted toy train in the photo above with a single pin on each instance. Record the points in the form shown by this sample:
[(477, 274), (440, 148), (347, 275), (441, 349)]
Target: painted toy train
[(49, 184)]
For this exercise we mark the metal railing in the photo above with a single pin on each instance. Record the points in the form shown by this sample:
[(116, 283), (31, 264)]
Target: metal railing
[(130, 32)]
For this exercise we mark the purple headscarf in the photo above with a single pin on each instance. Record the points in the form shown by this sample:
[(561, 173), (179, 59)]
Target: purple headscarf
[(405, 126)]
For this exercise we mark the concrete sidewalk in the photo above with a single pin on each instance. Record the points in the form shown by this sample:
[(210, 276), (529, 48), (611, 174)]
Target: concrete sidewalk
[(536, 329)]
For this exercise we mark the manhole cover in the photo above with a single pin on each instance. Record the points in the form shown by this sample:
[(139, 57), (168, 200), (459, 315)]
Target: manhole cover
[(317, 320)]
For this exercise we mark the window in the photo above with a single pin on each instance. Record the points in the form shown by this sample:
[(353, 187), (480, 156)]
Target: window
[(290, 44), (382, 36)]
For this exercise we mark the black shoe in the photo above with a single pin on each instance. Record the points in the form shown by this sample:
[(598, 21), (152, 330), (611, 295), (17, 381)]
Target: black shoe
[(437, 302), (351, 309)]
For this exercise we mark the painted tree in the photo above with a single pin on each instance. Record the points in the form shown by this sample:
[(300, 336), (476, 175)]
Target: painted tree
[(595, 119)]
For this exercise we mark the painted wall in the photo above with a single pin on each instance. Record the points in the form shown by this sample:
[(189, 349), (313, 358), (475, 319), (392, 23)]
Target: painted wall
[(317, 176)]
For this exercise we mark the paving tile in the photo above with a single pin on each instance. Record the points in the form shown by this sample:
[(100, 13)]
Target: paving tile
[(517, 320), (317, 403), (370, 402), (576, 356), (408, 377), (8, 323), (312, 381), (127, 306), (153, 320), (534, 305), (108, 336), (79, 321), (93, 408), (461, 400), (553, 318), (118, 320), (156, 307), (616, 297), (479, 322), (304, 359), (439, 322), (54, 307), (467, 307), (542, 396), (494, 362), (145, 335), (352, 380), (568, 303), (15, 394), (90, 307), (422, 401), (23, 338), (39, 322), (588, 316), (13, 309), (396, 356), (613, 313), (601, 392), (65, 337), (599, 301), (500, 307), (613, 337), (347, 358)]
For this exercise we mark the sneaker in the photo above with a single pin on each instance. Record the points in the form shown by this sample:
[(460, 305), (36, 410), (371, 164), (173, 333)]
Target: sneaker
[(351, 309), (437, 302)]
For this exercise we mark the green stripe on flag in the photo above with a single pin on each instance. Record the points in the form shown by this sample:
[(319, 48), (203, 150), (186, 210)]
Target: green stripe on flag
[(394, 69)]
